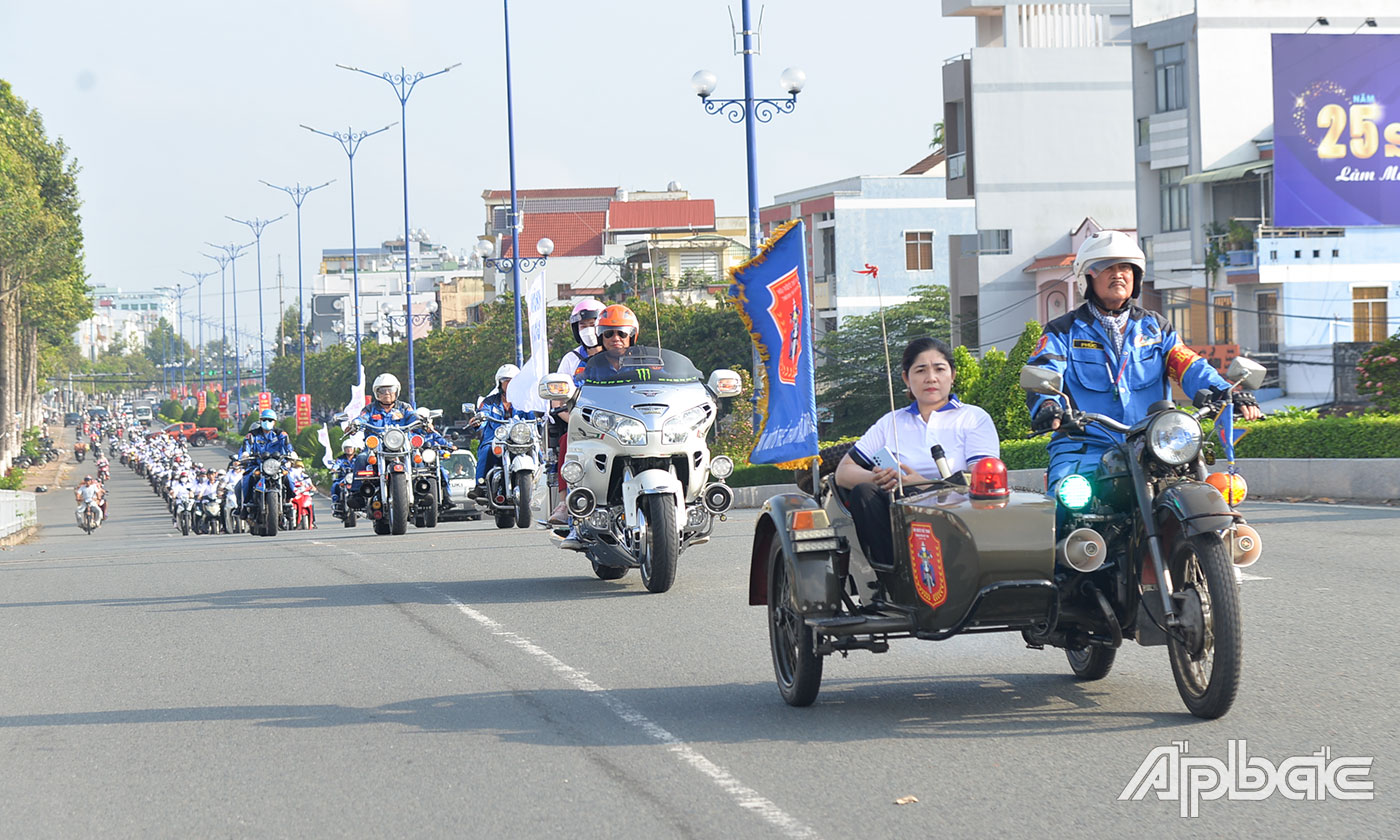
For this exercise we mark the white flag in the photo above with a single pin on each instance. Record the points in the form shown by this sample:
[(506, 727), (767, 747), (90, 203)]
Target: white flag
[(523, 392), (357, 397), (324, 436)]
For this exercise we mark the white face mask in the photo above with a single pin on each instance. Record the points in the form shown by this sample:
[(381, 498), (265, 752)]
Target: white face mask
[(589, 336)]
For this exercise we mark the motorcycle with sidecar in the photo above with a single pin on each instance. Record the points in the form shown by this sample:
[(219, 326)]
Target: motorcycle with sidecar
[(1144, 549)]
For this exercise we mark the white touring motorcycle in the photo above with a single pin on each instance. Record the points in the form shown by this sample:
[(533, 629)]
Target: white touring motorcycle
[(638, 468)]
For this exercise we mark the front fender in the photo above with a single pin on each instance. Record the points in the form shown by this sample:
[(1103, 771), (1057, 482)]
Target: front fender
[(1197, 507), (651, 483), (815, 584)]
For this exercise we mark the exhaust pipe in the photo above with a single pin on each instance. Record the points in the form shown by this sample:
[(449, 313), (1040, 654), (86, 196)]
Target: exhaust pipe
[(1083, 550), (580, 501), (1245, 546), (718, 498)]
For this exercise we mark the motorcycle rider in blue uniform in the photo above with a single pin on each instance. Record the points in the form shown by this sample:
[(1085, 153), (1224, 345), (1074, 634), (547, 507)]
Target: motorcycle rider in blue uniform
[(435, 440), (342, 473), (495, 411), (386, 409), (264, 441), (1115, 357)]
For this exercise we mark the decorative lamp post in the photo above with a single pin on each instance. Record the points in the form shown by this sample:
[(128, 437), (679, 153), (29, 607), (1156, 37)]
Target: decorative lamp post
[(257, 226), (299, 194), (233, 252), (199, 278), (403, 84), (485, 248), (350, 142)]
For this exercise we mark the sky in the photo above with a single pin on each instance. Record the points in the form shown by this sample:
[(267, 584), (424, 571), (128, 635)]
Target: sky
[(176, 109)]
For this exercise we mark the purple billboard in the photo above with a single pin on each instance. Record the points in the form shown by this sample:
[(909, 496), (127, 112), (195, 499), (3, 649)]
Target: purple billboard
[(1336, 130)]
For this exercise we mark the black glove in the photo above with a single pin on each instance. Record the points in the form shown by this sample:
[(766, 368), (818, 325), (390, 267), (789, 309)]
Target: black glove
[(1242, 399), (1045, 416)]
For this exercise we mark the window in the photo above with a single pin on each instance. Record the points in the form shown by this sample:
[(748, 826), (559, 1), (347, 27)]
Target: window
[(1224, 320), (566, 291), (1144, 125), (968, 320), (1316, 253), (1175, 215), (1267, 305), (828, 240), (993, 241), (1368, 313), (1177, 303), (918, 250), (1336, 253), (1171, 77)]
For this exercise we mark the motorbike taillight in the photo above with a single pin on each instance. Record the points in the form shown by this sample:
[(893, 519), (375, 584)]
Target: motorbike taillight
[(989, 479)]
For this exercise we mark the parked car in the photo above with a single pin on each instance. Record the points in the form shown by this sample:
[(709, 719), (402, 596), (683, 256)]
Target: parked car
[(72, 418), (195, 435)]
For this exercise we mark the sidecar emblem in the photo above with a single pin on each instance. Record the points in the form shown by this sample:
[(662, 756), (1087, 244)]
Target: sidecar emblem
[(926, 562)]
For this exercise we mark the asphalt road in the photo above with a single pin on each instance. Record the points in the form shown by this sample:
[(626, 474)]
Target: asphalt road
[(474, 682)]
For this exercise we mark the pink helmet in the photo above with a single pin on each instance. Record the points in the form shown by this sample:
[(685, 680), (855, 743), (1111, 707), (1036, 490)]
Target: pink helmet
[(586, 308)]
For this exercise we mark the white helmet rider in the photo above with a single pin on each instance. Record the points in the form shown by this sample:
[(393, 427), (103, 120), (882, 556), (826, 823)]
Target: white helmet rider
[(1102, 250), (386, 380), (505, 372)]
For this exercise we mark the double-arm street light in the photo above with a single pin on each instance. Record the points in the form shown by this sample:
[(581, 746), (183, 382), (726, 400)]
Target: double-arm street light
[(299, 194), (403, 84), (257, 226), (515, 264), (750, 111), (350, 143), (178, 292), (199, 277), (232, 252)]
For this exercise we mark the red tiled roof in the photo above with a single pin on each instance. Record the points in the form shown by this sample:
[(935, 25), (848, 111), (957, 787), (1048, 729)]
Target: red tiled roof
[(566, 192), (686, 214), (574, 234), (1057, 261), (926, 164)]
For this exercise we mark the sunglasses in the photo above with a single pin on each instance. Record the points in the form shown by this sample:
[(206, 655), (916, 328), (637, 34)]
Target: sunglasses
[(615, 334)]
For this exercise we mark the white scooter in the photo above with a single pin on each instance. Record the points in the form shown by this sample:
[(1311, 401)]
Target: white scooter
[(638, 466)]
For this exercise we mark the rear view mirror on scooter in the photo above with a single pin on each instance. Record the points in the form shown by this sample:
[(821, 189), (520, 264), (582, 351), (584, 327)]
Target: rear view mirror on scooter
[(1039, 380), (1246, 373), (726, 383), (556, 386)]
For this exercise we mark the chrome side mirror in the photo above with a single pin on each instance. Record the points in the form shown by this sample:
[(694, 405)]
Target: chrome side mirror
[(726, 383), (1039, 380), (556, 386), (1248, 373)]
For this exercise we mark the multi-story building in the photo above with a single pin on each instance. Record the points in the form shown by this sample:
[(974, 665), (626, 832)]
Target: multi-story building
[(898, 223), (126, 317), (1038, 130), (1218, 267)]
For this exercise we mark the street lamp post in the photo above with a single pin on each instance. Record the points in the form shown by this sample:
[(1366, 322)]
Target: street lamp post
[(199, 278), (222, 260), (257, 226), (750, 111), (233, 252), (350, 142), (515, 264), (403, 84), (299, 194)]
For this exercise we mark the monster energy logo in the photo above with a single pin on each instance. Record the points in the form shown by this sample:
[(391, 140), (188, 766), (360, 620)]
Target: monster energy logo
[(643, 373)]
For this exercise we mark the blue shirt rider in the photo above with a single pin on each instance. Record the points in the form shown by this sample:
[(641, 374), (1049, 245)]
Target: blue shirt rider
[(264, 441), (433, 439), (495, 411), (386, 409), (1115, 358), (343, 473)]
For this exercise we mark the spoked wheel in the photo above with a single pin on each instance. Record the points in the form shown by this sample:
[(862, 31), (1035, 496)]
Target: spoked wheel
[(1206, 657), (1091, 662), (659, 542), (795, 661)]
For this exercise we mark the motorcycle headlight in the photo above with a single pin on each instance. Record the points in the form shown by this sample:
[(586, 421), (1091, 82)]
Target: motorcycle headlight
[(395, 439), (271, 466), (1174, 438), (721, 466), (429, 456), (678, 429), (521, 434), (603, 421), (572, 472), (500, 433), (630, 432)]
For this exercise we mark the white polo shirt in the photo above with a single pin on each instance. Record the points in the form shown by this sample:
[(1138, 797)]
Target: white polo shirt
[(965, 432)]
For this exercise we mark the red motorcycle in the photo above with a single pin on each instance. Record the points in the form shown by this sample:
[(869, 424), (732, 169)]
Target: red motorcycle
[(302, 510)]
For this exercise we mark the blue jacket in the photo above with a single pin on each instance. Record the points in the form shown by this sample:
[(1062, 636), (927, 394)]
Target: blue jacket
[(494, 414), (261, 444), (399, 414), (1120, 386)]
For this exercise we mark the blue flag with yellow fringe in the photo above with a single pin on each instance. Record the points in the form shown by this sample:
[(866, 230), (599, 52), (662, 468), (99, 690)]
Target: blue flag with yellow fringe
[(773, 297)]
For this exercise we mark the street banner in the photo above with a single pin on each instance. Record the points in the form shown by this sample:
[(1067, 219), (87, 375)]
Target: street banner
[(303, 411), (264, 400), (1336, 142), (523, 391), (358, 398), (771, 292), (223, 405), (201, 401)]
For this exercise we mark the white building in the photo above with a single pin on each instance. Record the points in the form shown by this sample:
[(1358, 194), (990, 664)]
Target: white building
[(124, 316), (1038, 130), (1217, 266)]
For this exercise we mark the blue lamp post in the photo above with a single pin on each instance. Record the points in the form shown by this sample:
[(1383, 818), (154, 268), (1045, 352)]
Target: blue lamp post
[(257, 226), (403, 83), (299, 194), (750, 111), (233, 252), (350, 142), (222, 260), (199, 278)]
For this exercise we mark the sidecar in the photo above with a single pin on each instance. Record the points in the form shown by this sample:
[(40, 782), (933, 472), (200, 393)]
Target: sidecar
[(971, 555)]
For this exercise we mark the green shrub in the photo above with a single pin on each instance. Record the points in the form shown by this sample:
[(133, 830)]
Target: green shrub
[(210, 417), (171, 411), (189, 415), (13, 480), (1378, 374), (1355, 436)]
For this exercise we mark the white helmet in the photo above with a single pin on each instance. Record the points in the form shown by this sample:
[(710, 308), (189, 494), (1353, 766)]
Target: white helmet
[(383, 380), (1104, 249), (506, 372)]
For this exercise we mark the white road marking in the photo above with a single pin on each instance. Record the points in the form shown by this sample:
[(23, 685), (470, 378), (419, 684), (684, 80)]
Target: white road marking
[(745, 796)]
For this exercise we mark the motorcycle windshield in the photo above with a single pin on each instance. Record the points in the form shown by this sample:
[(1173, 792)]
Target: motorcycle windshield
[(640, 365)]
